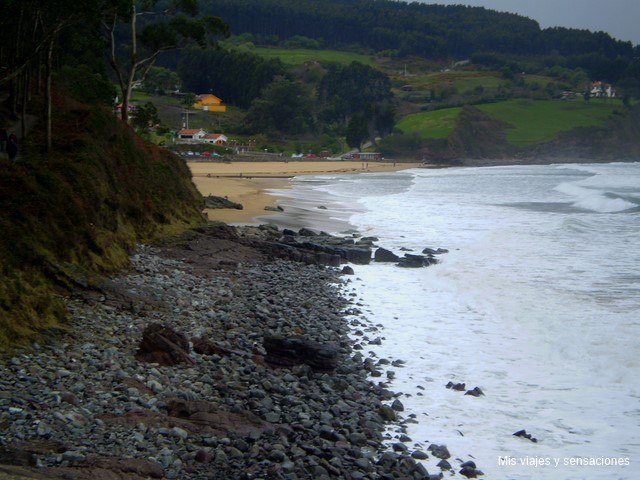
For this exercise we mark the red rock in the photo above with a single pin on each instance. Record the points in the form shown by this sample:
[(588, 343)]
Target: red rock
[(163, 345)]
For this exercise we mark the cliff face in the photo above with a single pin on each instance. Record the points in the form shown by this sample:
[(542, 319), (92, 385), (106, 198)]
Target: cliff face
[(478, 135), (81, 208), (618, 140)]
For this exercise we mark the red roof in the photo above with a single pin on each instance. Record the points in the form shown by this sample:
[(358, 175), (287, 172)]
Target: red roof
[(213, 136), (189, 131)]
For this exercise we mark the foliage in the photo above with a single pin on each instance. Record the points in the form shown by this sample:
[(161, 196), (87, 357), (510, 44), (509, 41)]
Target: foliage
[(161, 80), (285, 106), (414, 28), (236, 77), (145, 116), (81, 209), (357, 130), (299, 56), (174, 26), (346, 90), (85, 85)]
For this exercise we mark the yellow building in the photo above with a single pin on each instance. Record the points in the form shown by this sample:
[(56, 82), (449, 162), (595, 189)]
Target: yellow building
[(209, 103)]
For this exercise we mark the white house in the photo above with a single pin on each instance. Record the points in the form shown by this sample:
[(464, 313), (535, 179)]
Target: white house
[(215, 138), (601, 89), (191, 134)]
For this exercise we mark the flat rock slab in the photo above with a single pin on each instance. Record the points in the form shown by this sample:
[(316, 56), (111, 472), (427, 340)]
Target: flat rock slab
[(196, 417), (290, 351), (163, 345)]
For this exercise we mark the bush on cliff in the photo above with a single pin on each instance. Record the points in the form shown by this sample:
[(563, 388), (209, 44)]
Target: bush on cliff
[(80, 208)]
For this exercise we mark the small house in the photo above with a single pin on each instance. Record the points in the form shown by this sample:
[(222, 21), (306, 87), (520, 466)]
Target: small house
[(215, 138), (209, 103), (191, 135)]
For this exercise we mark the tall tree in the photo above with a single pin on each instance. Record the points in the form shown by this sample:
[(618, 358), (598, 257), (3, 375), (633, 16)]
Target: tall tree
[(150, 28), (29, 40)]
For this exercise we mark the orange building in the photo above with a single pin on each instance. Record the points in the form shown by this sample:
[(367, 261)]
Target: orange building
[(209, 103)]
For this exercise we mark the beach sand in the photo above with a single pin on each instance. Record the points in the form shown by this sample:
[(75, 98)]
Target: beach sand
[(248, 183)]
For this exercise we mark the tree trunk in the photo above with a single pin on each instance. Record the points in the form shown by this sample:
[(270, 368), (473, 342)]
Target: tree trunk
[(23, 106), (47, 95)]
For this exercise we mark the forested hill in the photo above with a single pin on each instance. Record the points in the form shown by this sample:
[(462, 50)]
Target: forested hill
[(433, 31)]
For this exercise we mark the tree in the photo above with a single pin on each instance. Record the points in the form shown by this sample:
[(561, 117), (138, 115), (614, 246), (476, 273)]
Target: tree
[(27, 45), (357, 130), (171, 28), (285, 106), (145, 116), (160, 80)]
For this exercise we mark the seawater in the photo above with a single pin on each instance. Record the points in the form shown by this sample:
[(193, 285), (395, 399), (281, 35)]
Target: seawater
[(537, 303)]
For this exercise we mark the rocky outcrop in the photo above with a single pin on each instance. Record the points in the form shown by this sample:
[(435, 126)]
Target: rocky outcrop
[(289, 351), (214, 202), (163, 345), (384, 255), (524, 434), (416, 261)]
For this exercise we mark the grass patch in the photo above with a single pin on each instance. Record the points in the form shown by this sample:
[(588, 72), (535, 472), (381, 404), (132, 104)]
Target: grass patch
[(435, 124), (80, 208), (536, 121), (533, 121), (299, 56)]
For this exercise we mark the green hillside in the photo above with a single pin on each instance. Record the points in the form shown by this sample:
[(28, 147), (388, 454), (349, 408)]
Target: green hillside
[(542, 120), (299, 56), (533, 121), (435, 124)]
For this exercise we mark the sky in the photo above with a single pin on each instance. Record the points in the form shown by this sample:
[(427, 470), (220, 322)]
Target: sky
[(619, 18)]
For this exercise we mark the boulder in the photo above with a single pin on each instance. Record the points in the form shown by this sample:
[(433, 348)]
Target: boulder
[(204, 346), (384, 255), (270, 208), (459, 387), (476, 392), (439, 451), (347, 270), (212, 201), (413, 261), (359, 256), (289, 351), (431, 251), (289, 232), (163, 345), (306, 232), (524, 434)]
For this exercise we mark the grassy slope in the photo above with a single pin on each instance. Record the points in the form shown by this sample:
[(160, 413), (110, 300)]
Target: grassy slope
[(542, 120), (298, 56), (533, 121), (80, 209), (435, 124)]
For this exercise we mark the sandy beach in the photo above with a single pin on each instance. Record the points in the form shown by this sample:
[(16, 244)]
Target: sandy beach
[(248, 183)]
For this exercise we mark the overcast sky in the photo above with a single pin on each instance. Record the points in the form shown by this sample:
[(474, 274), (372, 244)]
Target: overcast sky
[(619, 18)]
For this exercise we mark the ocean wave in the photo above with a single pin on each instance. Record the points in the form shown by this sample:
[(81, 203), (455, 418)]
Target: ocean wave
[(596, 200)]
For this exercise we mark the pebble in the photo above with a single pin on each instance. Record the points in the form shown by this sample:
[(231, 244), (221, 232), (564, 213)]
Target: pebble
[(324, 426)]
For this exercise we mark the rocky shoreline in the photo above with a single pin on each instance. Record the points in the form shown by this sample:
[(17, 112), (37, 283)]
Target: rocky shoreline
[(83, 406)]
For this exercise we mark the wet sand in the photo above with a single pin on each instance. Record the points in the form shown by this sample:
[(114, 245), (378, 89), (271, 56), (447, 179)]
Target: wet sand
[(248, 183)]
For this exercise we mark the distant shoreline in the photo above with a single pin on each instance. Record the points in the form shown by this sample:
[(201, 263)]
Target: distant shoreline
[(249, 183)]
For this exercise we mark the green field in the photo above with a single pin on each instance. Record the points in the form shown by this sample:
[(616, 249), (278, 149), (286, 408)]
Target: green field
[(435, 124), (461, 80), (299, 56), (542, 120), (533, 121)]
